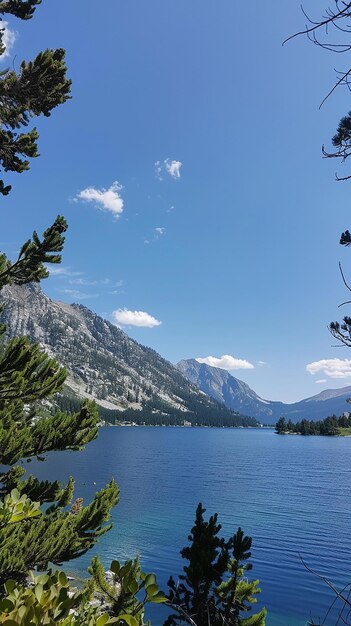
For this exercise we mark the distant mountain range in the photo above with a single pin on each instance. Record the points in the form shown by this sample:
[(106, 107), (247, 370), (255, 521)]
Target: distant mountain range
[(237, 395), (106, 365)]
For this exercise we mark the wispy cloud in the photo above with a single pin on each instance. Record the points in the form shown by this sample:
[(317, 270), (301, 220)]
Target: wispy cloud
[(124, 317), (104, 199), (160, 230), (168, 166), (84, 281), (227, 362), (333, 368), (158, 170), (78, 295), (9, 37), (320, 381), (118, 291), (262, 363), (63, 272)]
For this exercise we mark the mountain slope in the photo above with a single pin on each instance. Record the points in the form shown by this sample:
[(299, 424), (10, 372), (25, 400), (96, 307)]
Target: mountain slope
[(238, 396), (103, 362)]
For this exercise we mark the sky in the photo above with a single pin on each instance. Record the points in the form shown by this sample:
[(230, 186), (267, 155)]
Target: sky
[(202, 217)]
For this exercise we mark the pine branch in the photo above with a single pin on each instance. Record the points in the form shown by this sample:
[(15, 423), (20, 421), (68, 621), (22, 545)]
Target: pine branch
[(23, 9), (61, 431), (55, 537), (29, 266), (39, 87)]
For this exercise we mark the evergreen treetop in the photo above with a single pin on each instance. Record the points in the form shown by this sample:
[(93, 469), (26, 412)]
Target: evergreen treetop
[(214, 588)]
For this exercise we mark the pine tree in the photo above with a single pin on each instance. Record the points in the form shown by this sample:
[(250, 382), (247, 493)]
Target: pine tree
[(39, 87), (26, 376), (237, 593), (31, 536), (281, 426), (214, 589)]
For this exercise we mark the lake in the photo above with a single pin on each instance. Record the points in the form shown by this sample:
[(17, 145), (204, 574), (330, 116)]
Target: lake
[(290, 493)]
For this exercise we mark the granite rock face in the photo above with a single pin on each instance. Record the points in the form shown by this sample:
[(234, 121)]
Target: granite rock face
[(104, 364)]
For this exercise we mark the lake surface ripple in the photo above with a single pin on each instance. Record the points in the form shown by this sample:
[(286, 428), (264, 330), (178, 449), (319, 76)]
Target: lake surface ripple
[(290, 493)]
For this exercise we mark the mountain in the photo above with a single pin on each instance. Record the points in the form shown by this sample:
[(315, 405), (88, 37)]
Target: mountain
[(106, 365), (238, 396)]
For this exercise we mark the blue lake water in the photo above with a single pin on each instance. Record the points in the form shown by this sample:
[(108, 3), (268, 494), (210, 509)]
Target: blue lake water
[(290, 493)]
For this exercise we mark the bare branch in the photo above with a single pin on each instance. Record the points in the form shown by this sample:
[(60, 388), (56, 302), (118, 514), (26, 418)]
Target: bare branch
[(339, 594), (339, 82), (330, 18), (343, 277)]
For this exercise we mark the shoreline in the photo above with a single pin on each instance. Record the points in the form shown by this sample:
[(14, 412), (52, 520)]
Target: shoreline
[(107, 425)]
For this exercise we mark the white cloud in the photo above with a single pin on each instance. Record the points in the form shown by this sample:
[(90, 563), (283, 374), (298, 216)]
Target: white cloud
[(8, 38), (226, 362), (135, 318), (170, 166), (262, 363), (160, 230), (173, 167), (333, 368), (63, 271), (78, 295), (104, 199), (320, 381)]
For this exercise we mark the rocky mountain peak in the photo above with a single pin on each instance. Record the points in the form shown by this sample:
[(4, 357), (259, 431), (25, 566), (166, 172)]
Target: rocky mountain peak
[(104, 364), (238, 396)]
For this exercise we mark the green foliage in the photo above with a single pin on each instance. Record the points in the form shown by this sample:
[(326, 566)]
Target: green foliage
[(55, 536), (41, 490), (27, 373), (330, 426), (281, 426), (237, 593), (127, 590), (48, 601), (62, 431), (29, 265), (342, 138), (16, 508), (341, 141), (214, 588), (24, 9)]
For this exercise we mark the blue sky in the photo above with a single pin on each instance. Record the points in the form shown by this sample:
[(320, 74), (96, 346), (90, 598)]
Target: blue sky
[(231, 240)]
